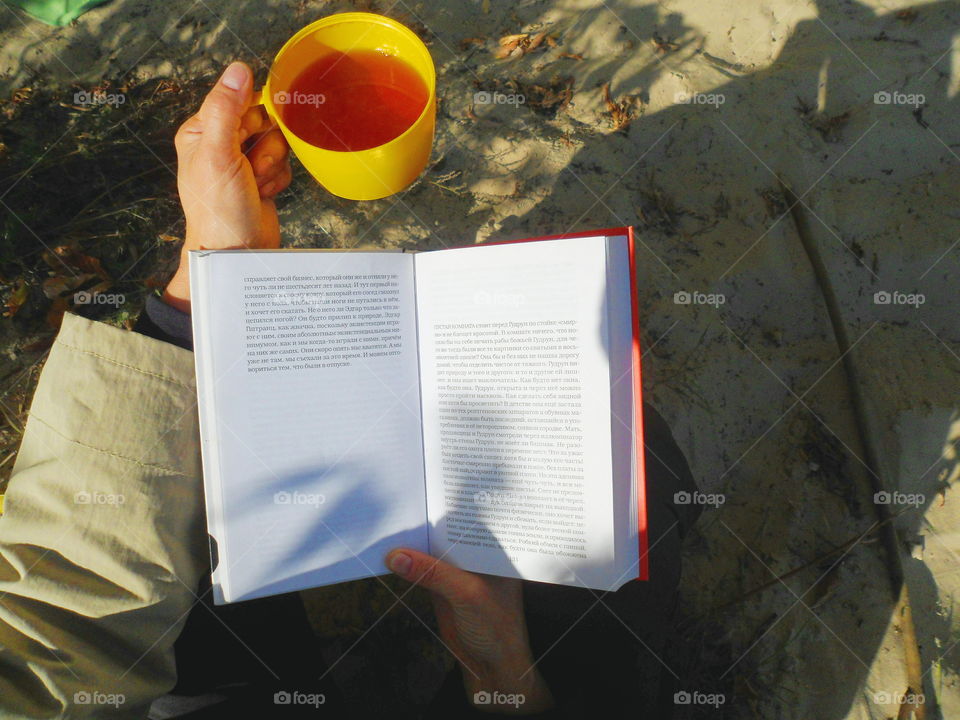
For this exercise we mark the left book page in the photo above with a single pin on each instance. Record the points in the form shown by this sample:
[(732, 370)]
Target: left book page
[(309, 402)]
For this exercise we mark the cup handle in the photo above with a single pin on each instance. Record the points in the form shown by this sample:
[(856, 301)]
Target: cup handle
[(257, 100)]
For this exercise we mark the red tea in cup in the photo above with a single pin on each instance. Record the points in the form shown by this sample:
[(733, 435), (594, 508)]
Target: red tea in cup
[(356, 100)]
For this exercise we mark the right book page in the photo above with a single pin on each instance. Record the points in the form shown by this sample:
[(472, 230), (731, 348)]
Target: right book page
[(528, 460)]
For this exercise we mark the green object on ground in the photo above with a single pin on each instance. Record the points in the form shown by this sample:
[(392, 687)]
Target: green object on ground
[(56, 12)]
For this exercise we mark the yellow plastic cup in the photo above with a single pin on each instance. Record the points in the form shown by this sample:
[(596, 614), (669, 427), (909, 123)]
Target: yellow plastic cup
[(378, 171)]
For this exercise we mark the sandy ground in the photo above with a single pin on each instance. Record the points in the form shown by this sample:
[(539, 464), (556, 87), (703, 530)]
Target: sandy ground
[(752, 386)]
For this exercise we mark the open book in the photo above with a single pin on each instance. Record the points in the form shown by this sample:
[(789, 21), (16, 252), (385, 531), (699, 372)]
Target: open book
[(481, 404)]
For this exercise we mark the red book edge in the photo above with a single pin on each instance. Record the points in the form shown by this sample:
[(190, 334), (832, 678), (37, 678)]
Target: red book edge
[(641, 476)]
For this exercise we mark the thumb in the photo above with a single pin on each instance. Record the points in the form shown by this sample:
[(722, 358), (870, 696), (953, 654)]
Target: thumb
[(435, 575), (223, 109)]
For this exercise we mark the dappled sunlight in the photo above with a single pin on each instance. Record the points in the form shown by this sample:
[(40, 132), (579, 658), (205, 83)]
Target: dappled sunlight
[(696, 123)]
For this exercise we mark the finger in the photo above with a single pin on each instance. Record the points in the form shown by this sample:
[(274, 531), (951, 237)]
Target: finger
[(272, 172), (435, 575), (188, 134), (255, 120), (223, 109), (278, 184), (268, 154)]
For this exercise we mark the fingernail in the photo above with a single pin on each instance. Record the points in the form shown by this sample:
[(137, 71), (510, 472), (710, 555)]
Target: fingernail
[(264, 164), (234, 76), (401, 563), (268, 188)]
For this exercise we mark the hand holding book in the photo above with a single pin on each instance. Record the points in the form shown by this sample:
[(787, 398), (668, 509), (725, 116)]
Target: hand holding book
[(502, 383), (482, 624), (480, 617), (480, 404)]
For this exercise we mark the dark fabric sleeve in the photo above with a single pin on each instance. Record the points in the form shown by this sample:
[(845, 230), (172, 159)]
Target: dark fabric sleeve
[(162, 322)]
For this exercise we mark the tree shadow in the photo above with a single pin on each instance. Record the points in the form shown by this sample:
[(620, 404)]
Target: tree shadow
[(643, 175), (650, 168), (669, 173)]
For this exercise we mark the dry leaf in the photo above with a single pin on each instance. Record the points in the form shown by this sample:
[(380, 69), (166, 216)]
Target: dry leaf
[(535, 41), (55, 314), (571, 56), (71, 257), (167, 86), (621, 113), (520, 44), (58, 285), (157, 280), (553, 98), (17, 298), (40, 345), (512, 39), (100, 287), (21, 95), (506, 51), (663, 46), (470, 42), (907, 15)]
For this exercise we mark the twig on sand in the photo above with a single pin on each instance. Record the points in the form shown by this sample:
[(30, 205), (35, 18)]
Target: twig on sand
[(912, 702)]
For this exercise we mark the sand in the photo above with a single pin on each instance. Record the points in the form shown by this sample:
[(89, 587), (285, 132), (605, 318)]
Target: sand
[(725, 97)]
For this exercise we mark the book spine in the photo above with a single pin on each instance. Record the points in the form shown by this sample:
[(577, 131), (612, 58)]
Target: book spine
[(423, 439), (641, 477)]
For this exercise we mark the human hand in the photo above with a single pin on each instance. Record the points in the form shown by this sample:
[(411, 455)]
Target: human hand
[(482, 623), (226, 190)]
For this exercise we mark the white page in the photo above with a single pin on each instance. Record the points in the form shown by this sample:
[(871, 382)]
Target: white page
[(518, 490), (315, 473)]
